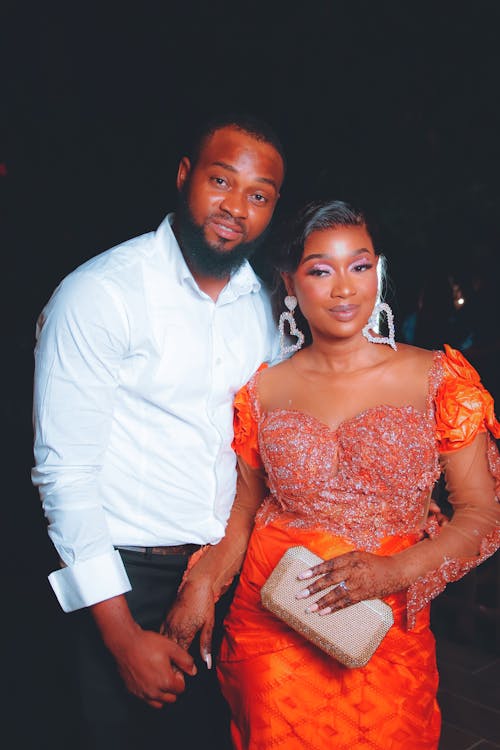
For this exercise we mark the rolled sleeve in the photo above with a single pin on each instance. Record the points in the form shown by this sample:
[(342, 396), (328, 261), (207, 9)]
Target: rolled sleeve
[(89, 582)]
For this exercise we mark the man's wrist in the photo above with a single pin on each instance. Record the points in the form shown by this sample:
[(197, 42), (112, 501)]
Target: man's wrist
[(115, 623)]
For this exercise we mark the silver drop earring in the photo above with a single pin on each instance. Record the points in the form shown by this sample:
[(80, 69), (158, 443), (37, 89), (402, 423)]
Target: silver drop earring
[(372, 325), (288, 316)]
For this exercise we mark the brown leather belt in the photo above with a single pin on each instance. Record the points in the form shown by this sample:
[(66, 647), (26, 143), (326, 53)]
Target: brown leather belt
[(176, 549)]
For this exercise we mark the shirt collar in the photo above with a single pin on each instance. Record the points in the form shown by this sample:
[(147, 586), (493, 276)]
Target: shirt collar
[(242, 281)]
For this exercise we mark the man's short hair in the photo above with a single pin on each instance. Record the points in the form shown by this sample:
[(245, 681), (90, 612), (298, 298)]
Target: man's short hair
[(254, 126)]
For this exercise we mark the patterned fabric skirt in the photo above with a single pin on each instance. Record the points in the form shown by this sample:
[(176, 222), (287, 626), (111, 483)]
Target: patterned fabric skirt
[(286, 694)]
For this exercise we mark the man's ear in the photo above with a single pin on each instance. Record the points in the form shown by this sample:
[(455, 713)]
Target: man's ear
[(287, 280), (183, 172)]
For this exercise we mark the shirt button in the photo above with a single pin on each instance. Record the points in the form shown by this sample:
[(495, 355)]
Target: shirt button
[(218, 361)]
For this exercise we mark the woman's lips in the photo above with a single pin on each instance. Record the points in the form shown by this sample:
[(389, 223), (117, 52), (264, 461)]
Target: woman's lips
[(344, 313)]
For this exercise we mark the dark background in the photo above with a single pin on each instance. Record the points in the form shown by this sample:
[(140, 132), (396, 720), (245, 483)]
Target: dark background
[(392, 104)]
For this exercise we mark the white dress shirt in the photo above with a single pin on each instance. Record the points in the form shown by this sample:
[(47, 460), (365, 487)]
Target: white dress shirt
[(136, 370)]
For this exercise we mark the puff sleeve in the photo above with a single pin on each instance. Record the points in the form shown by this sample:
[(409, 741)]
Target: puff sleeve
[(245, 424), (465, 424), (463, 406)]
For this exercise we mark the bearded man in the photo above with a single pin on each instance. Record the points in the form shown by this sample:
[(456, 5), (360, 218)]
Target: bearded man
[(139, 353)]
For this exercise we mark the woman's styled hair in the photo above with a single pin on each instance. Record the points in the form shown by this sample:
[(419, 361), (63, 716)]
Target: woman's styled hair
[(316, 216)]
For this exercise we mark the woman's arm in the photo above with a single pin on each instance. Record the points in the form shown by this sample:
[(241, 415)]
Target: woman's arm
[(215, 569), (472, 534)]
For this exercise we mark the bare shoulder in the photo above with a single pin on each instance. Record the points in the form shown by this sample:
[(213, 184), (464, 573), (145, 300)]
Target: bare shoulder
[(406, 379), (414, 358), (274, 374), (413, 365), (272, 380)]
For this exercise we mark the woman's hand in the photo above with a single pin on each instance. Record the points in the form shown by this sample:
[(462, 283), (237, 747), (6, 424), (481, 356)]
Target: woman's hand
[(193, 612), (356, 576)]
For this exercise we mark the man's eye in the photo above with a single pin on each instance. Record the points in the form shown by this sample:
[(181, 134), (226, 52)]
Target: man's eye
[(258, 198), (219, 181)]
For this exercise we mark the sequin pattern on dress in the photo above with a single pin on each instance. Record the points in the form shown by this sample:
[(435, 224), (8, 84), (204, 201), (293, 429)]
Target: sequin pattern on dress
[(366, 480)]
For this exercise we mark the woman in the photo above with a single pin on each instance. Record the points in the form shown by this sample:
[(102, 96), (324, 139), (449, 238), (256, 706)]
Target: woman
[(340, 446)]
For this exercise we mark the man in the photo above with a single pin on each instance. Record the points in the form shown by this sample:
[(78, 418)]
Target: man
[(139, 354)]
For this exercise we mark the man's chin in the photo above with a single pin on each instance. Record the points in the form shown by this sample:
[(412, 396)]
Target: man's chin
[(220, 245), (222, 249), (205, 251)]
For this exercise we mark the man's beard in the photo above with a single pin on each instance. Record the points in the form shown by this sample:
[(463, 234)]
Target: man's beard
[(206, 259)]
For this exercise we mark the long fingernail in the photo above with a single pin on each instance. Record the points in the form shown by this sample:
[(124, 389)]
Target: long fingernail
[(312, 608), (302, 594), (208, 660), (305, 574), (325, 611)]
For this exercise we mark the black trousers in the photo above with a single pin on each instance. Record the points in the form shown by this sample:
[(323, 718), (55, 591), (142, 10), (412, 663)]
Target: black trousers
[(111, 717)]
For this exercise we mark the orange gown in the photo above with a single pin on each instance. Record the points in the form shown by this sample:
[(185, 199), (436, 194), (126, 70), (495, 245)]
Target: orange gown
[(361, 486)]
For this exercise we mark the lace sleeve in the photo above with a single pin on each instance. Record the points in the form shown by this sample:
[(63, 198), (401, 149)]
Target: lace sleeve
[(471, 465), (245, 422)]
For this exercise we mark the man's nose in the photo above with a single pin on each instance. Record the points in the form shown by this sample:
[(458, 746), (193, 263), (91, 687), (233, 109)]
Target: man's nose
[(235, 203)]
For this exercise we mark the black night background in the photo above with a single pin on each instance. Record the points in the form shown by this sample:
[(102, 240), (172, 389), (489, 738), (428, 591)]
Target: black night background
[(395, 105)]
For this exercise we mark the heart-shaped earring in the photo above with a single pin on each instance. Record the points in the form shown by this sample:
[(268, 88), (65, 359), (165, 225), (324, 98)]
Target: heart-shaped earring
[(288, 316), (373, 322)]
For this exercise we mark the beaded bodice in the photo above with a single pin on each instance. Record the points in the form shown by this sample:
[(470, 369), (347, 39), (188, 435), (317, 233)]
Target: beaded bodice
[(369, 478)]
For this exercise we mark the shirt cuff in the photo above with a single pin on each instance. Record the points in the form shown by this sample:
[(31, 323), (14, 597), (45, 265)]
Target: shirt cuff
[(90, 581)]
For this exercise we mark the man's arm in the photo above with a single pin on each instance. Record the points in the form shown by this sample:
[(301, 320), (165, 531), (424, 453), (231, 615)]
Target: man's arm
[(82, 339)]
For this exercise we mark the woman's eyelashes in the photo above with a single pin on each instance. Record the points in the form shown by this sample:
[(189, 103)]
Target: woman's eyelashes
[(320, 270), (364, 266)]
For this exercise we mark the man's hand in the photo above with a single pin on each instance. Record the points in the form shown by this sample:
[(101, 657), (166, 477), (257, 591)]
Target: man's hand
[(150, 665), (193, 612)]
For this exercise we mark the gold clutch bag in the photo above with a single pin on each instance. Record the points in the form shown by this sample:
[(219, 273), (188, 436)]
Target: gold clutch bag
[(350, 635)]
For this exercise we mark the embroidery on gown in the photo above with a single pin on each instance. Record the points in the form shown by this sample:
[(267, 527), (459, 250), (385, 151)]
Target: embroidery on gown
[(366, 480)]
